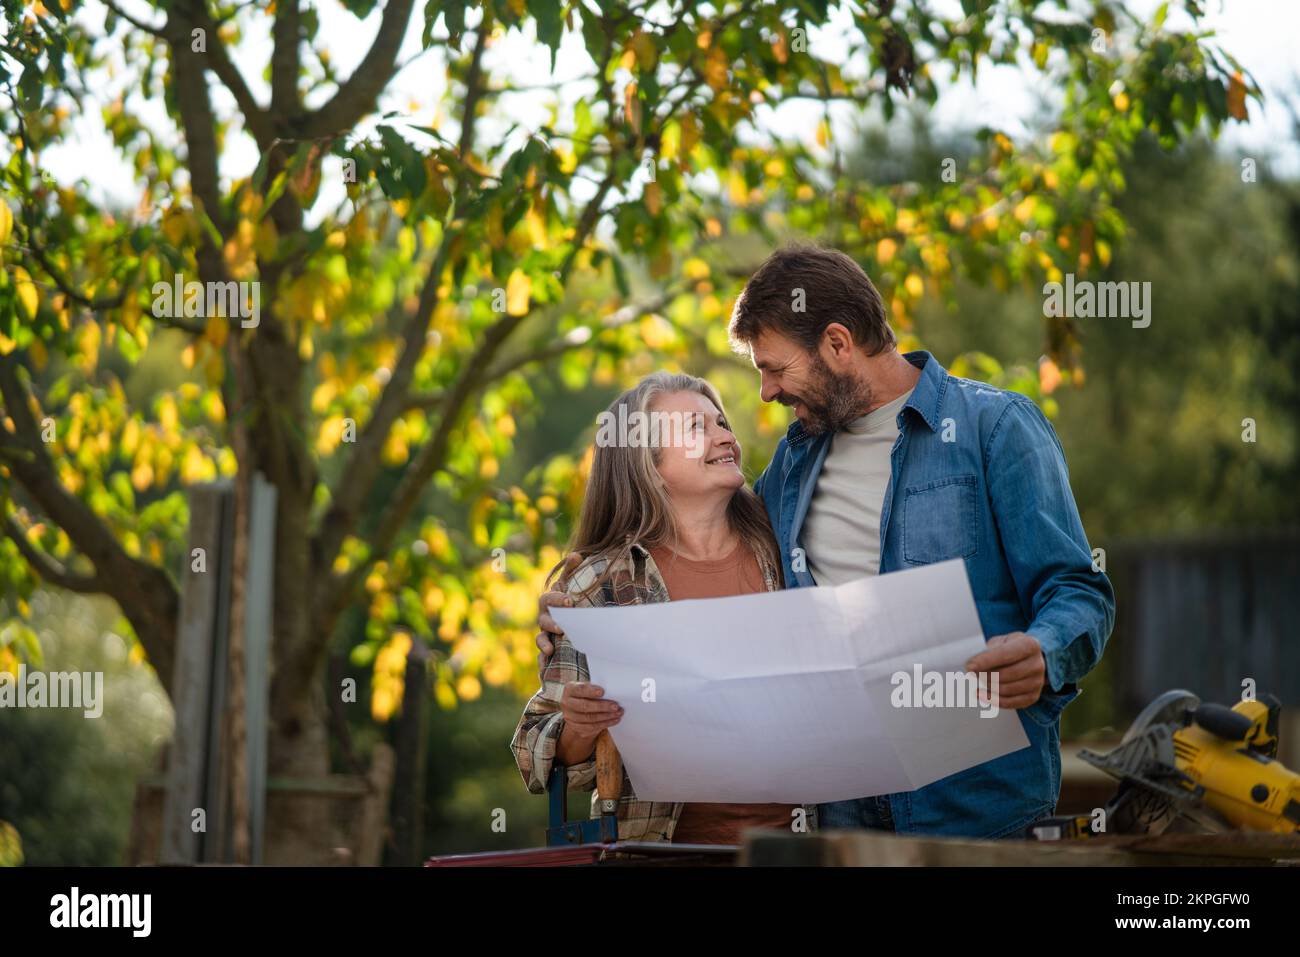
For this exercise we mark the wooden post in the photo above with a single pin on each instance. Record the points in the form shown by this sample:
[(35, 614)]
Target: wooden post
[(260, 595), (408, 787), (236, 756), (374, 809), (218, 757), (187, 770)]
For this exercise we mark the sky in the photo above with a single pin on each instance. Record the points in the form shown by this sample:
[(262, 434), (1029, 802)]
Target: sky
[(1263, 35)]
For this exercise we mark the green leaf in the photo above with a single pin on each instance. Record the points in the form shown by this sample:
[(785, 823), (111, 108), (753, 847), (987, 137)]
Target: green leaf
[(550, 24), (274, 193), (31, 88), (620, 276)]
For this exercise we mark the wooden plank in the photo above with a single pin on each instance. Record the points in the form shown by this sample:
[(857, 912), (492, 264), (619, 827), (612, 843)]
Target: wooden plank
[(374, 807), (215, 846), (876, 849), (187, 771), (260, 594)]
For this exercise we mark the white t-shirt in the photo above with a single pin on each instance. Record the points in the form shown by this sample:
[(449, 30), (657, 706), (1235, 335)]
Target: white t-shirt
[(841, 533)]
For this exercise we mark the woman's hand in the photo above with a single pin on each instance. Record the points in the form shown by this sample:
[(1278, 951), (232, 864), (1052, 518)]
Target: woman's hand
[(587, 711), (586, 714), (555, 598), (550, 628)]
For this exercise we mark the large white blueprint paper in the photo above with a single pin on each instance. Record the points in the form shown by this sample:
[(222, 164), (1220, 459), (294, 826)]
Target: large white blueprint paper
[(785, 696)]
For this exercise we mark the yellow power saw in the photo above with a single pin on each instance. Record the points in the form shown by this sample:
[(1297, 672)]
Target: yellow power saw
[(1185, 766)]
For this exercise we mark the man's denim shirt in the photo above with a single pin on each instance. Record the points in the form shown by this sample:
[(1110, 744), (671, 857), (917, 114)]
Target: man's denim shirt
[(977, 474)]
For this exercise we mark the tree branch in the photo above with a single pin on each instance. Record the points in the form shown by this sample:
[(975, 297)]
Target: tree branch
[(428, 400), (474, 89), (138, 24), (98, 303), (431, 456), (364, 462), (285, 60), (144, 593), (256, 119), (360, 92), (195, 107), (575, 338), (47, 567)]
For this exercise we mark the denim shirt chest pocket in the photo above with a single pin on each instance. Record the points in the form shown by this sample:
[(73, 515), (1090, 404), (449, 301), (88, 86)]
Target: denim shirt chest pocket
[(941, 520)]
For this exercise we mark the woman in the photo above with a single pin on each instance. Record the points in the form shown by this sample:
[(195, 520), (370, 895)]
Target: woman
[(661, 520)]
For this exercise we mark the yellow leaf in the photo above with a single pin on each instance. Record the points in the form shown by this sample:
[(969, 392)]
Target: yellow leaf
[(445, 695), (536, 227), (168, 415), (670, 141), (654, 199), (780, 49), (646, 51), (519, 290), (690, 133), (632, 107), (1237, 97), (88, 341), (914, 286), (695, 269), (174, 225), (657, 332), (737, 189), (130, 438), (885, 250), (823, 134), (6, 222), (142, 476), (1049, 376), (468, 688), (193, 468), (26, 289), (715, 68)]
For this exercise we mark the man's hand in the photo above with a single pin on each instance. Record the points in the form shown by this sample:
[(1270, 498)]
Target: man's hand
[(586, 711), (1021, 668)]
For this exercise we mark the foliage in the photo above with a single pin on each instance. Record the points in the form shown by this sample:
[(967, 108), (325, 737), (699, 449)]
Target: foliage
[(407, 316)]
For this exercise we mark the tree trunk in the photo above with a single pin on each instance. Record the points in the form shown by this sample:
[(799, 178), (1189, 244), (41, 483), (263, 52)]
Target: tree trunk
[(300, 829)]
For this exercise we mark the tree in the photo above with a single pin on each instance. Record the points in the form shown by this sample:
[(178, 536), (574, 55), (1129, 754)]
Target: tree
[(391, 350)]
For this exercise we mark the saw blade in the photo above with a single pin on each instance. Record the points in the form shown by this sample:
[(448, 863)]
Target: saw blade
[(1168, 708)]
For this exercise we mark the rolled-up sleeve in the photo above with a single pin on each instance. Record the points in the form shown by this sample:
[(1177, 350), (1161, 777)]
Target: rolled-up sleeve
[(1071, 607)]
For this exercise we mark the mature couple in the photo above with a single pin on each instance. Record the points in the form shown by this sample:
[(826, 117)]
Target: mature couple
[(892, 463)]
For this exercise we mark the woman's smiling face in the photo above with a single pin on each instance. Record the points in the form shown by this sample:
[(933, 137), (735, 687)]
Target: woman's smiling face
[(698, 454)]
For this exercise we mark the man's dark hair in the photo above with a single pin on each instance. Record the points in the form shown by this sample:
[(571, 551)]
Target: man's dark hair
[(800, 290)]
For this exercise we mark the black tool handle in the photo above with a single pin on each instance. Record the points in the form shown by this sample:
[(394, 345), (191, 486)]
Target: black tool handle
[(1222, 721)]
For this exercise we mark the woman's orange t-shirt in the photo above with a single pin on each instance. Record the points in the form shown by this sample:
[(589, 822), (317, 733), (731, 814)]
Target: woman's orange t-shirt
[(737, 574)]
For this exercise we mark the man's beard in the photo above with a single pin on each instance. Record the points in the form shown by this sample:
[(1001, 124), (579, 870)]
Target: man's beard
[(832, 400)]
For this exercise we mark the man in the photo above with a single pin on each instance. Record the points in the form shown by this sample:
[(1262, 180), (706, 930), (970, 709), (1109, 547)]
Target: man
[(894, 463)]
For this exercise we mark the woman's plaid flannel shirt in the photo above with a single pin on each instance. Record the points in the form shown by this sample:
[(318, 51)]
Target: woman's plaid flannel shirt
[(635, 580)]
